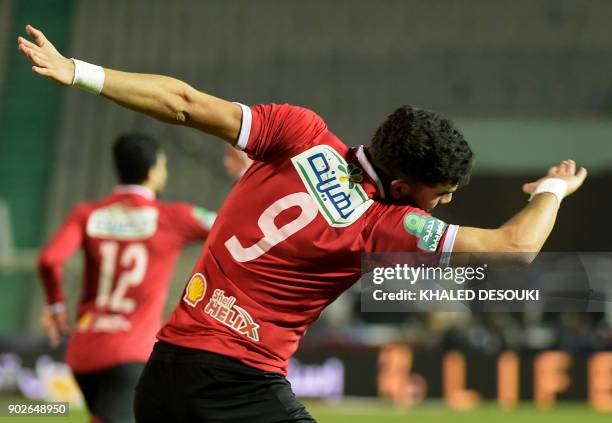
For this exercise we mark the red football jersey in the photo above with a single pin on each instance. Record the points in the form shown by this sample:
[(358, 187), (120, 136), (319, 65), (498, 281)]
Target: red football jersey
[(130, 242), (288, 240)]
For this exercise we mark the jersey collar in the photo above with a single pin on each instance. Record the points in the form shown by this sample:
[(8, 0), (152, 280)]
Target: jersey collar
[(135, 189), (362, 158)]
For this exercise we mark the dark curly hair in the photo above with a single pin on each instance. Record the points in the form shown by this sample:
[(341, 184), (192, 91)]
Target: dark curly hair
[(420, 145)]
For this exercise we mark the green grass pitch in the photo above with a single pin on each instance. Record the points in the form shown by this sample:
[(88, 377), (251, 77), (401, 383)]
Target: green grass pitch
[(356, 411)]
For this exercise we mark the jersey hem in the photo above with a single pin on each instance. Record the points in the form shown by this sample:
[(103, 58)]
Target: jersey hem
[(105, 366), (216, 347)]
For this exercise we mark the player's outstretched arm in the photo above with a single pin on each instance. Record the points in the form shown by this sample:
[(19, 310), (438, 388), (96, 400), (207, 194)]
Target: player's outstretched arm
[(527, 231), (164, 98)]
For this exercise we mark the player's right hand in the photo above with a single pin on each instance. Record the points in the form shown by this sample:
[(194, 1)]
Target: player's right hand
[(565, 170), (56, 324), (46, 60)]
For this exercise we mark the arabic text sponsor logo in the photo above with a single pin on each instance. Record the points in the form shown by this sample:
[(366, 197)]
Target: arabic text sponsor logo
[(123, 223), (427, 229), (333, 183), (222, 308)]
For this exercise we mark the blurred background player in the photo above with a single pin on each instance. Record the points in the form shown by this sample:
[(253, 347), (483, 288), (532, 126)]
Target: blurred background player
[(131, 242)]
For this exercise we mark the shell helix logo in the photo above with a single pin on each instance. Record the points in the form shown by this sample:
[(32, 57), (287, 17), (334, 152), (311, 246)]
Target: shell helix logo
[(196, 290), (221, 307)]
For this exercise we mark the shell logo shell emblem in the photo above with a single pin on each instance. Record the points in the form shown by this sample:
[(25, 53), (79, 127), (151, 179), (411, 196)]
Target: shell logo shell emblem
[(196, 290), (84, 322)]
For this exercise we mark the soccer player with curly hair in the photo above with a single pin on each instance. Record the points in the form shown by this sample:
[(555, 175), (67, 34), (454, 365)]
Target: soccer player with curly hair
[(289, 238)]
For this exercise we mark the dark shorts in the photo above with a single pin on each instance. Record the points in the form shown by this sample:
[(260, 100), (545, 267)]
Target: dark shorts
[(109, 393), (186, 385)]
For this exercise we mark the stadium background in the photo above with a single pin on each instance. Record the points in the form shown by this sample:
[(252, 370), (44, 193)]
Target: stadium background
[(529, 83)]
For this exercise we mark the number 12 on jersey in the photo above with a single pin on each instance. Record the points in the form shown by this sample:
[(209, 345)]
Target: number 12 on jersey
[(133, 260)]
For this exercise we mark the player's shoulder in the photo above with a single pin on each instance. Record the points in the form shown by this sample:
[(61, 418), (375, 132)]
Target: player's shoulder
[(180, 209), (84, 209), (384, 214), (184, 210), (386, 208), (292, 115), (391, 221), (286, 109), (174, 208), (316, 132)]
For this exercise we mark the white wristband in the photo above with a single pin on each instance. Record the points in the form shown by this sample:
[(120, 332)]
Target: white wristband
[(88, 77), (554, 186), (56, 308)]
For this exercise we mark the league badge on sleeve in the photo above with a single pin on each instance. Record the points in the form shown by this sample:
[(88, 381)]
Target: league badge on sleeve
[(427, 229), (205, 216)]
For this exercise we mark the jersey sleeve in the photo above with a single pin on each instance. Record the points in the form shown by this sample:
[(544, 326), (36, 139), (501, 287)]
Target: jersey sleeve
[(408, 229), (272, 131), (192, 223), (65, 242)]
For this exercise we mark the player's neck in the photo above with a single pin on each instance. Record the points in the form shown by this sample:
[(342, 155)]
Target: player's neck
[(382, 175), (141, 189), (150, 186)]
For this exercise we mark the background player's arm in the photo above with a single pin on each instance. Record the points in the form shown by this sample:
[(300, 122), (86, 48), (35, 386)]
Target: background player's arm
[(66, 241), (164, 98), (528, 230), (191, 223)]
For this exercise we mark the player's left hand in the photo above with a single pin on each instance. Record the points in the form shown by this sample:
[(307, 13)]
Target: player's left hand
[(56, 324), (45, 58), (567, 171)]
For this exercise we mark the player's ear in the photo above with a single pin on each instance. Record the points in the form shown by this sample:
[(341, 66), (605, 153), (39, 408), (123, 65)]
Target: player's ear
[(151, 174), (398, 188)]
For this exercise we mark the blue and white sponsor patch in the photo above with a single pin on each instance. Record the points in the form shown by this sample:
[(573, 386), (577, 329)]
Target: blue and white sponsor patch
[(334, 184)]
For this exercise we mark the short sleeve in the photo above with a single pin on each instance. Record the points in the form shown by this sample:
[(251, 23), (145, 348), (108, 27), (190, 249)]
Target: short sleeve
[(271, 131), (192, 223), (66, 241), (408, 229)]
